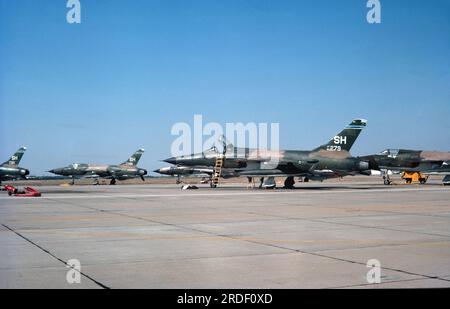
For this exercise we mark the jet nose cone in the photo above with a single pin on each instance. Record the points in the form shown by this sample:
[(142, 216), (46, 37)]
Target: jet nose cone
[(55, 171), (163, 171), (171, 160)]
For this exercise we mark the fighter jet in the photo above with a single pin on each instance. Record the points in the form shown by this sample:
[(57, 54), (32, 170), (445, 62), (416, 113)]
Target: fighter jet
[(330, 160), (406, 160), (123, 171), (10, 169)]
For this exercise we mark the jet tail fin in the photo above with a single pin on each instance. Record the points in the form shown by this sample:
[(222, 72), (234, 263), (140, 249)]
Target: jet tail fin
[(16, 157), (134, 159), (346, 138)]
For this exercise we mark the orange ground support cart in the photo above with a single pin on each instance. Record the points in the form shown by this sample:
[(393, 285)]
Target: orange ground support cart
[(414, 177)]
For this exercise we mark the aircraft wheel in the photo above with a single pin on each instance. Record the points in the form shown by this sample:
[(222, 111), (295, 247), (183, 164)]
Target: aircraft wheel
[(423, 181), (408, 180), (306, 179), (9, 193), (113, 182), (212, 185), (289, 183), (387, 182)]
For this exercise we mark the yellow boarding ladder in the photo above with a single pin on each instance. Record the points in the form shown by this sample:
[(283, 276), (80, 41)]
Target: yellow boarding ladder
[(217, 170)]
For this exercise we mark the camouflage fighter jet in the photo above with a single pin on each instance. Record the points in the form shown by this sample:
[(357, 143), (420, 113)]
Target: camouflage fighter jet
[(405, 160), (10, 169), (123, 171), (330, 160)]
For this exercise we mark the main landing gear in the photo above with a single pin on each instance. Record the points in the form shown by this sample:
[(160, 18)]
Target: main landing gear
[(251, 182), (270, 183), (289, 183)]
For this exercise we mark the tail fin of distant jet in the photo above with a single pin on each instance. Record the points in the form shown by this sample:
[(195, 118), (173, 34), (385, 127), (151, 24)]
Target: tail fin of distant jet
[(16, 157), (345, 139), (134, 159)]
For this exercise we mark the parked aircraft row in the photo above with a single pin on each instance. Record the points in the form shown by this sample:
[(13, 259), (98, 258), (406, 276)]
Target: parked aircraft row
[(126, 170), (330, 160)]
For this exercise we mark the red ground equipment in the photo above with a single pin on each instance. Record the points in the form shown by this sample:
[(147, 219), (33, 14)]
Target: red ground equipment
[(26, 192)]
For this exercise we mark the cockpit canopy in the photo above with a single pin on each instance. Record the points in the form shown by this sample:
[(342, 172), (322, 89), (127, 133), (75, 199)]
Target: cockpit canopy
[(212, 150), (76, 166), (390, 152)]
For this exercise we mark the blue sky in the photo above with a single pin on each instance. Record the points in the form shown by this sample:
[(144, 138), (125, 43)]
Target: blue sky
[(97, 91)]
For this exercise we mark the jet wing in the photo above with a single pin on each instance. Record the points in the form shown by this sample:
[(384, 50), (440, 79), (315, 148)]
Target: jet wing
[(279, 173), (266, 173)]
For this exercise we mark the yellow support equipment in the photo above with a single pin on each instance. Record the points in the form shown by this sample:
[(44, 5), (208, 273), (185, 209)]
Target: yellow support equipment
[(414, 177)]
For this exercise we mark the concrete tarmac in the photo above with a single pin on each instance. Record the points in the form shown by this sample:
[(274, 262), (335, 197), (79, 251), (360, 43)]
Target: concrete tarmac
[(320, 235)]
